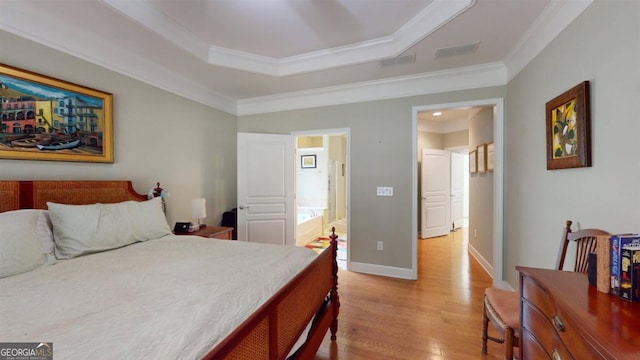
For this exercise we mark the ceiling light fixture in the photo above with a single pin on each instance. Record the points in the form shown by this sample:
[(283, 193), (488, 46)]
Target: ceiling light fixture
[(437, 113)]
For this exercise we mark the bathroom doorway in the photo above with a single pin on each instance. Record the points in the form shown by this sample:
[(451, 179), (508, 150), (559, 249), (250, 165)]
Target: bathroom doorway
[(321, 187)]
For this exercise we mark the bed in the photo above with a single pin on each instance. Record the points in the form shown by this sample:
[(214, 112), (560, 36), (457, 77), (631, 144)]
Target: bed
[(165, 297)]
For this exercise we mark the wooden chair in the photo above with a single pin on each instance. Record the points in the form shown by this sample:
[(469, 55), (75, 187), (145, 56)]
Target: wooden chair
[(502, 307)]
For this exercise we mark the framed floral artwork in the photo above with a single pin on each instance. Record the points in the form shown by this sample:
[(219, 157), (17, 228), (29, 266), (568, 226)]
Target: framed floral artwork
[(568, 129)]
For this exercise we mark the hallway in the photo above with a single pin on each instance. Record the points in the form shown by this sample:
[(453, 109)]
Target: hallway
[(439, 316)]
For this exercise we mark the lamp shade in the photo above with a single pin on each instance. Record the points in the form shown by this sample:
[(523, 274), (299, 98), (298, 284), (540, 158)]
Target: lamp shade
[(198, 208)]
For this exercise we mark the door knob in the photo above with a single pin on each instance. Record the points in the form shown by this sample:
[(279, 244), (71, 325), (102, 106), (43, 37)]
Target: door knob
[(241, 207)]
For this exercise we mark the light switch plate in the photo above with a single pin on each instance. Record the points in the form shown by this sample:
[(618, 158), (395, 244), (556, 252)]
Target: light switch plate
[(385, 191)]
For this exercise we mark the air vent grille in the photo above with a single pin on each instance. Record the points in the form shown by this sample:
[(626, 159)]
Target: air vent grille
[(457, 50), (400, 60)]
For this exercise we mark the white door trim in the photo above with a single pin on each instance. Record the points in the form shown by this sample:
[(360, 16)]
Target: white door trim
[(498, 182), (347, 133)]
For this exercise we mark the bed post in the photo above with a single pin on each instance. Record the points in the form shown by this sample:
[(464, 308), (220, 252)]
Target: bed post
[(334, 289)]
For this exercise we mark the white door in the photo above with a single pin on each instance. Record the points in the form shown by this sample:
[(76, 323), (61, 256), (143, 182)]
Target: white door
[(436, 183), (266, 188), (457, 189)]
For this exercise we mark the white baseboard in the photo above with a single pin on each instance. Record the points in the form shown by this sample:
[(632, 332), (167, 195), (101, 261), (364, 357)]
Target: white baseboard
[(390, 271), (488, 268)]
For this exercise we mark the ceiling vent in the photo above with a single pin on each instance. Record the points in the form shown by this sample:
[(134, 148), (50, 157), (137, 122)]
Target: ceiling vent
[(400, 60), (457, 50)]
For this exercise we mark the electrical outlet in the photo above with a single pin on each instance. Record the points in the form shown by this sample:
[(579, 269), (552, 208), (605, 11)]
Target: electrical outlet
[(380, 246), (475, 233)]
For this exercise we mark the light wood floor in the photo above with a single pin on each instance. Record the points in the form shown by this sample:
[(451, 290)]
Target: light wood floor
[(439, 316)]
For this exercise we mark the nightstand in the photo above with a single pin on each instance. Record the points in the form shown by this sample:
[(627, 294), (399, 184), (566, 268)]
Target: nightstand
[(217, 232)]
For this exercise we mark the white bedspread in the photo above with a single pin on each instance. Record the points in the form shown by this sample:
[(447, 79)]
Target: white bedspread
[(175, 297)]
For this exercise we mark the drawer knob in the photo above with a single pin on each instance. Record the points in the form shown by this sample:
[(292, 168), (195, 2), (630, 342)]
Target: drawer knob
[(556, 355), (557, 322)]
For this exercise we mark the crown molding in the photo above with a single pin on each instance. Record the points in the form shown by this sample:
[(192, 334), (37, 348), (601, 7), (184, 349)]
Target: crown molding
[(435, 15), (555, 17), (26, 21), (493, 74), (145, 12)]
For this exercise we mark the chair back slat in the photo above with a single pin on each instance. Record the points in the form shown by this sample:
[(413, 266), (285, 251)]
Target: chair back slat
[(584, 247), (585, 244)]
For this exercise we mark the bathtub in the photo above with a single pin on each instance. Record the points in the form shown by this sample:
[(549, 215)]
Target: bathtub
[(309, 226)]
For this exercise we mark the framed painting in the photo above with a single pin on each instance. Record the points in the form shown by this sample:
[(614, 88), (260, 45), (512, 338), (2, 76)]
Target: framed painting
[(491, 157), (568, 129), (308, 161), (482, 158), (473, 163), (42, 118)]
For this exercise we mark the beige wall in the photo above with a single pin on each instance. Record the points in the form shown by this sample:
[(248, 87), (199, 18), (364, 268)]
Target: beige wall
[(456, 139), (158, 136), (429, 140), (381, 155), (162, 137), (603, 46), (481, 188)]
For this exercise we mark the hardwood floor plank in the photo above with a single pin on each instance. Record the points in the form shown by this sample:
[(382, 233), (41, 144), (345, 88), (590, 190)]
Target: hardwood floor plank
[(438, 316)]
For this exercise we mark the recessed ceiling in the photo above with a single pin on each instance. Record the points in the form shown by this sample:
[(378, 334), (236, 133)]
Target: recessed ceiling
[(250, 56)]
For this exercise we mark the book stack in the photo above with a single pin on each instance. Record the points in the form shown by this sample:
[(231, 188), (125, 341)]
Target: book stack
[(630, 273), (625, 266)]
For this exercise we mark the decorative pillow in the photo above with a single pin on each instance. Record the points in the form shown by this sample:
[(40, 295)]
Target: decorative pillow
[(45, 232), (20, 249), (84, 229)]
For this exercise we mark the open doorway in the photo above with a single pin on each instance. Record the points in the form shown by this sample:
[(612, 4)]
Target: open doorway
[(321, 183), (490, 236)]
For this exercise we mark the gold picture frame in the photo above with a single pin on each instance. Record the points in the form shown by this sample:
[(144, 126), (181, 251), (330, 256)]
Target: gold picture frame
[(491, 157), (43, 118), (569, 129), (482, 158), (473, 162)]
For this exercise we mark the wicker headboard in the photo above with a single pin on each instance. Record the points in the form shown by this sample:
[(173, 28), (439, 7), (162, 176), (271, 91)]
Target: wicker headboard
[(34, 194)]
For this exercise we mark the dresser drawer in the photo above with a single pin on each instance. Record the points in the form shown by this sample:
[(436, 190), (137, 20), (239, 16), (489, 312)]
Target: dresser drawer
[(572, 339), (538, 296), (532, 349), (550, 325), (594, 325), (540, 329)]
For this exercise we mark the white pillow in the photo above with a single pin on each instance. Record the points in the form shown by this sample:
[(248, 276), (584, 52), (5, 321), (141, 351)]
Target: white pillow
[(20, 249), (45, 232), (84, 229)]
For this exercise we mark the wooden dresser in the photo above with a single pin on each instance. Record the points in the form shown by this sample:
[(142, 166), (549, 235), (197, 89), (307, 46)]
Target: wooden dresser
[(562, 317)]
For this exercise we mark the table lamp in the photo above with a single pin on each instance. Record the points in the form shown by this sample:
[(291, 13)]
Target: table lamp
[(199, 210)]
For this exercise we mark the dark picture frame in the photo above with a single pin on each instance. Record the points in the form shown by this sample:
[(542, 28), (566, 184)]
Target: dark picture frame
[(307, 161), (43, 118), (568, 123)]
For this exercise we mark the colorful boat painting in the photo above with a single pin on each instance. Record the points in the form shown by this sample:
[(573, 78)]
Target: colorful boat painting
[(60, 145), (31, 142)]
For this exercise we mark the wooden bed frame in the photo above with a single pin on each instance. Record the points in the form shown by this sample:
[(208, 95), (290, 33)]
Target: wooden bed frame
[(272, 330)]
